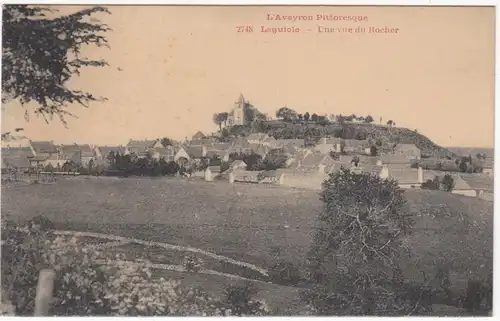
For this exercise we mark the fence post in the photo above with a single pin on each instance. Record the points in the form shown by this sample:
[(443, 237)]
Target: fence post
[(44, 291)]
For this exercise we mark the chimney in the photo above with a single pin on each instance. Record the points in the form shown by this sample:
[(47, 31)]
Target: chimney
[(420, 173), (299, 163), (231, 177), (384, 173), (338, 148)]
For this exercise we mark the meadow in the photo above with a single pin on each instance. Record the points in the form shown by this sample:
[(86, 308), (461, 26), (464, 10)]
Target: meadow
[(252, 223)]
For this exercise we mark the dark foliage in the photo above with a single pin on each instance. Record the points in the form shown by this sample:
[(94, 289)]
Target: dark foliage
[(40, 55)]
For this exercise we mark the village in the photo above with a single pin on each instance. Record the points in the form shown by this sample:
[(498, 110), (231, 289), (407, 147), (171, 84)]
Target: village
[(260, 159)]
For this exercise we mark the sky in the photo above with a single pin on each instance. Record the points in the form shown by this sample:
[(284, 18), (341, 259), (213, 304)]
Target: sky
[(172, 67)]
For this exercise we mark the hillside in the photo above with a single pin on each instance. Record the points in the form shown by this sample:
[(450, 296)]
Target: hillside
[(383, 134)]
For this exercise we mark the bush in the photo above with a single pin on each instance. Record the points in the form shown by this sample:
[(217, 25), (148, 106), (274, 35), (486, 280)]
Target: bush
[(356, 246), (239, 300), (285, 273), (192, 263), (92, 282)]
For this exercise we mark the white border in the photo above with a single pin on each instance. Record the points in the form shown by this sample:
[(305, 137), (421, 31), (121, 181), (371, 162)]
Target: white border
[(496, 258)]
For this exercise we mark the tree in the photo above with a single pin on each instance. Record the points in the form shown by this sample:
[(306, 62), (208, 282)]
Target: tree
[(463, 164), (218, 120), (355, 160), (224, 116), (276, 158), (314, 117), (300, 117), (432, 184), (356, 246), (165, 141), (369, 119), (306, 116), (41, 54), (390, 123), (447, 183), (91, 166), (286, 114), (341, 119)]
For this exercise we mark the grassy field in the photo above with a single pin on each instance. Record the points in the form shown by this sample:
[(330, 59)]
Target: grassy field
[(247, 222)]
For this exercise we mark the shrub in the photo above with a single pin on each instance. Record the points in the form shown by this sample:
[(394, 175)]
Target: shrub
[(92, 282), (356, 246), (192, 263), (285, 273), (239, 300)]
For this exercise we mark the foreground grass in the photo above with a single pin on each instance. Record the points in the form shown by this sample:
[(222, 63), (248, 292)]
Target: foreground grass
[(252, 223)]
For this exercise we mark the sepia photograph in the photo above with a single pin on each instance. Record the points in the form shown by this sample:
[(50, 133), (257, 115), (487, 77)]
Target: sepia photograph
[(247, 160)]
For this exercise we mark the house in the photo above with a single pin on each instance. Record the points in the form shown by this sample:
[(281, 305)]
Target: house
[(198, 135), (282, 143), (197, 152), (261, 150), (79, 154), (167, 153), (238, 164), (201, 142), (18, 164), (272, 177), (482, 183), (326, 145), (461, 187), (17, 158), (408, 150), (356, 146), (141, 147), (102, 152), (488, 166), (212, 172), (395, 159), (10, 141), (406, 178), (259, 139), (244, 176), (181, 156), (44, 150)]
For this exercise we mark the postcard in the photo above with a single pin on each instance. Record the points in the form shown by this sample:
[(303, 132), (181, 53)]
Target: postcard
[(162, 160)]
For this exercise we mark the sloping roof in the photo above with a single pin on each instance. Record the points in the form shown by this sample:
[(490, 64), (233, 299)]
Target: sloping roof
[(105, 150), (257, 136), (141, 145), (16, 162), (478, 181), (408, 176), (85, 150), (243, 175), (17, 152), (271, 173), (395, 159), (238, 163), (198, 135), (314, 159), (195, 151), (460, 183), (289, 142), (354, 143), (221, 146), (44, 147), (214, 169), (165, 151), (201, 141)]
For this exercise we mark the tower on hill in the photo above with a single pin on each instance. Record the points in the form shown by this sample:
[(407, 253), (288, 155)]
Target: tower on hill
[(238, 112)]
